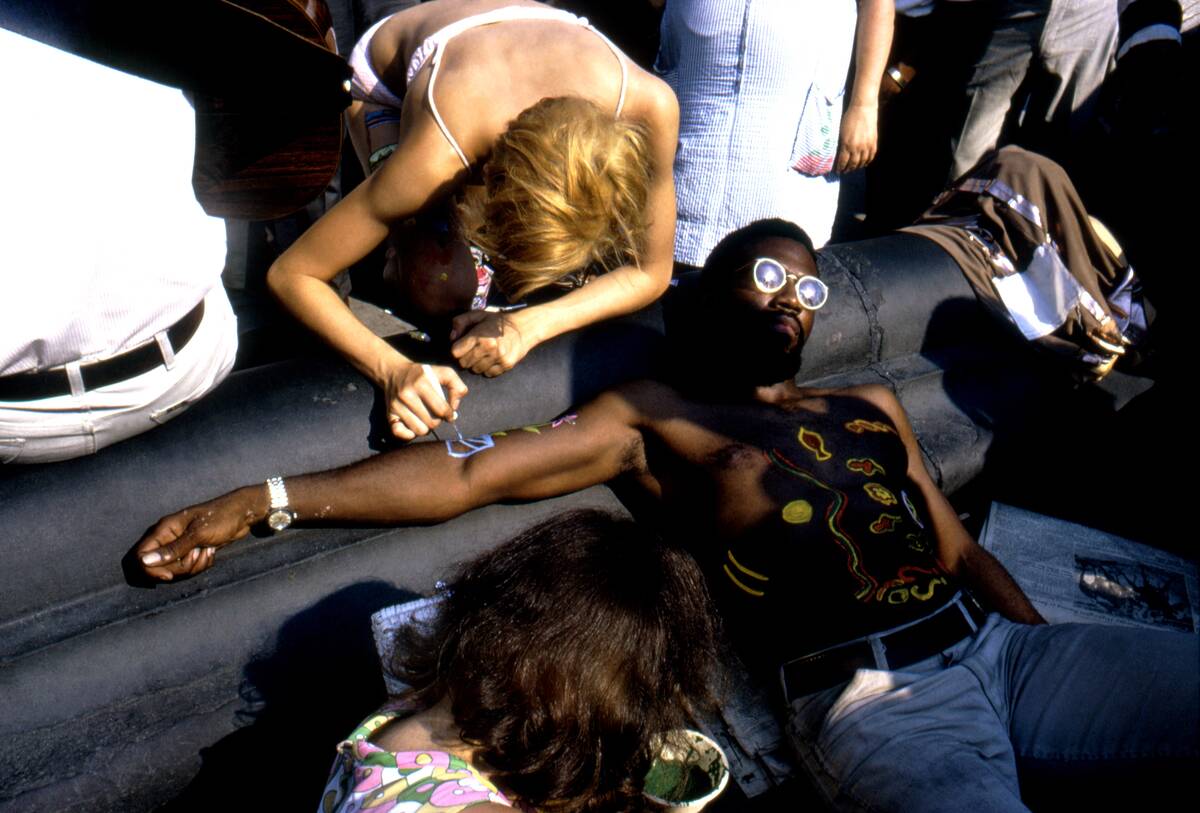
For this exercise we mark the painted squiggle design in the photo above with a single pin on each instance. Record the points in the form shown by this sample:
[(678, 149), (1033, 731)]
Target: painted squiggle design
[(747, 571), (536, 428), (880, 494), (814, 443), (860, 425), (864, 465), (797, 512), (885, 523), (833, 519), (918, 543), (905, 585), (912, 509), (734, 579)]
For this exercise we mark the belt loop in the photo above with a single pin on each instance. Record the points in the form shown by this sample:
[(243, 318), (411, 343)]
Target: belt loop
[(75, 377), (961, 603), (164, 347), (879, 651)]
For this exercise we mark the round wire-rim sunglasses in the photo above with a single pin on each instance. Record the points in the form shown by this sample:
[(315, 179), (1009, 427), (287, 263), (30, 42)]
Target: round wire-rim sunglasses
[(770, 276)]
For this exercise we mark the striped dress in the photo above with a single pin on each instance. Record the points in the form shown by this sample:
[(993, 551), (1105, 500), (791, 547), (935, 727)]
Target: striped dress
[(760, 86)]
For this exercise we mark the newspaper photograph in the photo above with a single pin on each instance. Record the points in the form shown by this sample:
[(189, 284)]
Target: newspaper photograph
[(1074, 573)]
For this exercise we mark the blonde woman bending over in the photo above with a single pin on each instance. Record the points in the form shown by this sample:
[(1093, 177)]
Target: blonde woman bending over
[(527, 133)]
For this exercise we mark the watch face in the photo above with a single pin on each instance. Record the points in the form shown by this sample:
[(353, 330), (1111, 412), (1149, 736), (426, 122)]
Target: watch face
[(279, 519)]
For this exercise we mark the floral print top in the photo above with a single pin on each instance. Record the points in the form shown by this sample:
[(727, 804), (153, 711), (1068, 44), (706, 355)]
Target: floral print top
[(365, 777)]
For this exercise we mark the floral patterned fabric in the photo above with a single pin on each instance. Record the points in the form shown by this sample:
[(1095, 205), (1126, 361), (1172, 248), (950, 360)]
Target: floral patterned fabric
[(483, 278), (365, 777)]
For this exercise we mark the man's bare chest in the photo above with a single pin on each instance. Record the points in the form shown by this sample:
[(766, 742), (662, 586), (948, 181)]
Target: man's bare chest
[(741, 470)]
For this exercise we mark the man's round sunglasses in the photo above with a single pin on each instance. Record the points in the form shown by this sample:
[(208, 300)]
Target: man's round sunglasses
[(770, 276)]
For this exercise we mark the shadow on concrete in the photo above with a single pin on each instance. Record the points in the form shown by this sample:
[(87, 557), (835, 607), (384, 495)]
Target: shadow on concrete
[(298, 702)]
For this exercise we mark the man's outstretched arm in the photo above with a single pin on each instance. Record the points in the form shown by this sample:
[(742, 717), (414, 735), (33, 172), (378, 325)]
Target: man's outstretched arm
[(958, 552), (416, 484)]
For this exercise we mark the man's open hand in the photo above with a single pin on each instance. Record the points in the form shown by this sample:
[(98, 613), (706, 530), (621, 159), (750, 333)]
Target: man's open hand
[(185, 543)]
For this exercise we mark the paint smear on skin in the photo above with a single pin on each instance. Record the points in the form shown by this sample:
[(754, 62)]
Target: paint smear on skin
[(568, 419), (469, 446), (912, 509)]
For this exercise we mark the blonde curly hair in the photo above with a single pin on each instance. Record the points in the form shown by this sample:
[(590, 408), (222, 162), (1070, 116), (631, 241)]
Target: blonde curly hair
[(566, 190)]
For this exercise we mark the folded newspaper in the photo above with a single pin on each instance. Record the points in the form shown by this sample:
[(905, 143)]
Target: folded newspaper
[(1074, 573)]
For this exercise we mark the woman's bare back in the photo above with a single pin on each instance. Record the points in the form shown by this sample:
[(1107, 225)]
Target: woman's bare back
[(489, 74)]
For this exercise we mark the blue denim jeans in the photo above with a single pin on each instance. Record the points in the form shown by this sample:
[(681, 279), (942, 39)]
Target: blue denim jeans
[(1110, 712), (1068, 45)]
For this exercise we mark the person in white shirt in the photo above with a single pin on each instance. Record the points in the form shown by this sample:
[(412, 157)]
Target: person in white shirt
[(113, 318)]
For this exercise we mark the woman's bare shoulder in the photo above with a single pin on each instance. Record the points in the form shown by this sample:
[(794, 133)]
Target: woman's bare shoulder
[(405, 733), (650, 99)]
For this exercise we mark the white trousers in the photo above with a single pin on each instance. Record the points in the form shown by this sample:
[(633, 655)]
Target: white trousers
[(76, 424)]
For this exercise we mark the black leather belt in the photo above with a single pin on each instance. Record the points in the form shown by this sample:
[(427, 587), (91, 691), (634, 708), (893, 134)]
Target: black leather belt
[(97, 374), (908, 644)]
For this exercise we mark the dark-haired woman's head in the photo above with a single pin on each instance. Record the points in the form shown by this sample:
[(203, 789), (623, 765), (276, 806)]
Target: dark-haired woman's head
[(565, 652)]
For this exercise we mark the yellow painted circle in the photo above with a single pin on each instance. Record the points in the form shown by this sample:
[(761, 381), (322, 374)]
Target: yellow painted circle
[(423, 759), (797, 512)]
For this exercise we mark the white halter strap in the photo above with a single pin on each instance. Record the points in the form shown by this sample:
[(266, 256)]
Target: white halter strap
[(434, 46)]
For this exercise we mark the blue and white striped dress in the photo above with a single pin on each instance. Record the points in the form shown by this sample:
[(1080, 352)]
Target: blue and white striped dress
[(760, 86)]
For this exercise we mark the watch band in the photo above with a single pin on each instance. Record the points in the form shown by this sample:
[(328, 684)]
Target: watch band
[(279, 515), (278, 493)]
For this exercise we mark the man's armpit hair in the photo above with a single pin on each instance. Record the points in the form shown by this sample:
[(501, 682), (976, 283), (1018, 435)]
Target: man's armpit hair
[(633, 456)]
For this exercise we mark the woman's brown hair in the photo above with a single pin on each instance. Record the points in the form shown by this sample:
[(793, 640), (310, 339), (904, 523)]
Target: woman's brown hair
[(566, 191), (566, 653)]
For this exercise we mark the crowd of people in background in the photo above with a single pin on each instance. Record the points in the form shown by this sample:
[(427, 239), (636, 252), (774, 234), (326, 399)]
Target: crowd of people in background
[(761, 108)]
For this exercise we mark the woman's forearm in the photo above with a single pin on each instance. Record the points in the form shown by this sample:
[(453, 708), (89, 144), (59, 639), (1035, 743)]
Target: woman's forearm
[(620, 291), (872, 43), (629, 287), (626, 288), (349, 232), (316, 305)]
